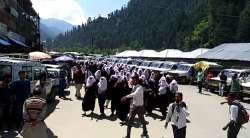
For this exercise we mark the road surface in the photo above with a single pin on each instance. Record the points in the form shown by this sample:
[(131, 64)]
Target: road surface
[(207, 118)]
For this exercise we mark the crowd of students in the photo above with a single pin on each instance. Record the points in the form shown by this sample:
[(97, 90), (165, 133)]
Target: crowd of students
[(110, 83), (129, 90)]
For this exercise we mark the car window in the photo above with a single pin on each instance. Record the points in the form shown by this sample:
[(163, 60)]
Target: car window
[(155, 64), (166, 66), (36, 74), (230, 74), (28, 70), (183, 67), (53, 74), (5, 70), (146, 64)]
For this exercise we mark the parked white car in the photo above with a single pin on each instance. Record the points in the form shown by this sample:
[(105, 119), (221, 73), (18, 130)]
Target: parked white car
[(213, 84), (182, 73), (167, 66), (155, 65), (145, 65)]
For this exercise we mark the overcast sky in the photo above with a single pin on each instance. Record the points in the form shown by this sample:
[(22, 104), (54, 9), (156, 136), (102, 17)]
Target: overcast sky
[(76, 11)]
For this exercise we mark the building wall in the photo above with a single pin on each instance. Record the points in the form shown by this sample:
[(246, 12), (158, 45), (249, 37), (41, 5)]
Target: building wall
[(22, 21)]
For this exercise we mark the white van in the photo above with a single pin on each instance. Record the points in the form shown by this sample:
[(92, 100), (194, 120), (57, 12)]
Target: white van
[(33, 69)]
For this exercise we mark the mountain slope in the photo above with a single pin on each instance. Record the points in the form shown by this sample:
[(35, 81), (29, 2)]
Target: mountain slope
[(161, 24), (50, 28)]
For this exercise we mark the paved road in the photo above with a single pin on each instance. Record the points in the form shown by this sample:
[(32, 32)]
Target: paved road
[(207, 119)]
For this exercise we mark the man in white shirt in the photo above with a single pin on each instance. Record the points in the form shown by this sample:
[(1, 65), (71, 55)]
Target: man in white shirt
[(137, 106), (233, 127), (177, 115)]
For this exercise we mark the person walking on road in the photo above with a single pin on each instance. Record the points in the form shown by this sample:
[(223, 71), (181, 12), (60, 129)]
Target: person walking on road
[(235, 87), (88, 101), (78, 78), (200, 77), (223, 83), (233, 127), (137, 106), (21, 91), (162, 96), (102, 88), (34, 113), (177, 115)]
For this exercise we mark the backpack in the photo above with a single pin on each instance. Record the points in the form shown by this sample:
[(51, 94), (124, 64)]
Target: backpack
[(243, 116)]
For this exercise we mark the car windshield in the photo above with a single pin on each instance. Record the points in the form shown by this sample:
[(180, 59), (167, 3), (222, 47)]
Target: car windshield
[(183, 67), (120, 61), (52, 74), (133, 62), (146, 63), (166, 66), (156, 64), (124, 61), (230, 74)]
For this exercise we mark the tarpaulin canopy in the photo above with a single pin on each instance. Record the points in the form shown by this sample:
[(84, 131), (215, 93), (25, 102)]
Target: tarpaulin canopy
[(230, 51), (194, 54), (170, 53), (148, 53), (38, 56), (128, 53)]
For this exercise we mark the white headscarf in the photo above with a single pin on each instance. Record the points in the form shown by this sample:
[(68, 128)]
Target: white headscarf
[(102, 85), (140, 71), (98, 74), (107, 69), (163, 85), (152, 76), (119, 78), (90, 81), (174, 86)]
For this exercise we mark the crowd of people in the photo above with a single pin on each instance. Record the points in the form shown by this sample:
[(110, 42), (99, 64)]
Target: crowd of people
[(110, 83), (130, 91)]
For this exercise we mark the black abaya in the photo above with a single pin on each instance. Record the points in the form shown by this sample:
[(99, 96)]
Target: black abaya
[(88, 102)]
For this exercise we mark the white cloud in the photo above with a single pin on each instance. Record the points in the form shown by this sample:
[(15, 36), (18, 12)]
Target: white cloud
[(68, 10)]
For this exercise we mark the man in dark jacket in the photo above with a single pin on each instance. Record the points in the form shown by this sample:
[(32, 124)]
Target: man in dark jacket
[(21, 91), (78, 78)]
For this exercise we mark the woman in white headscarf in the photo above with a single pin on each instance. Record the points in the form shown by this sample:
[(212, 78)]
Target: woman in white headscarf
[(88, 103), (151, 95), (162, 96), (102, 88), (173, 89), (98, 75), (163, 86)]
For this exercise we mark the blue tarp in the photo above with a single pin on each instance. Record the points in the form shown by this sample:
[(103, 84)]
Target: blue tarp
[(16, 42), (4, 43)]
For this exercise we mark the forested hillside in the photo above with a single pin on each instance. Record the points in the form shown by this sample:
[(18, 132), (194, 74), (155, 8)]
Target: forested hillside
[(161, 24)]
